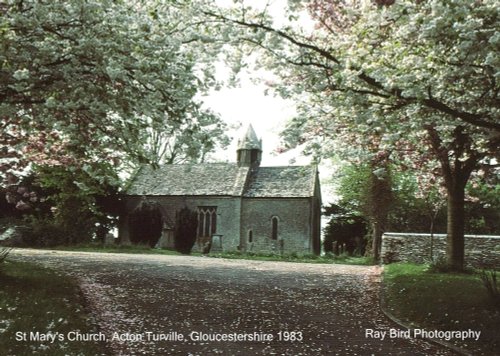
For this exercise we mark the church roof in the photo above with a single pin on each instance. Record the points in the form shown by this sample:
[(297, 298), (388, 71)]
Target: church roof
[(186, 179), (224, 179), (289, 181)]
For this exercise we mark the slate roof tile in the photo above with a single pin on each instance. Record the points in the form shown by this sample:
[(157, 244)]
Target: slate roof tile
[(290, 181), (224, 179), (186, 179)]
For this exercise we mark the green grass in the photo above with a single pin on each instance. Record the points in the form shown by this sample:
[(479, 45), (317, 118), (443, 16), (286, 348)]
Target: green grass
[(140, 249), (442, 301), (33, 299), (293, 257)]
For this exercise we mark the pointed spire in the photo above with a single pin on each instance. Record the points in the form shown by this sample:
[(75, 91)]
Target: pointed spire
[(249, 141), (249, 152)]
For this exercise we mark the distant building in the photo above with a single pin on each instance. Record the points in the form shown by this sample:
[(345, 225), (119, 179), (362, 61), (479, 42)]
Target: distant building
[(240, 206)]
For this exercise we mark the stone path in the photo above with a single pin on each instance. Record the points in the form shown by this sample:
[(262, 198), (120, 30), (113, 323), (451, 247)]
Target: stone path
[(319, 309)]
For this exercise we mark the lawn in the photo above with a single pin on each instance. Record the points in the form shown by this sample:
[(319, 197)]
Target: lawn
[(36, 300), (293, 257), (116, 249), (328, 259), (443, 301)]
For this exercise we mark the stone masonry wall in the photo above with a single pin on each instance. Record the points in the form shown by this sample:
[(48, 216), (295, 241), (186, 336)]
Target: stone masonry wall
[(294, 225), (480, 251)]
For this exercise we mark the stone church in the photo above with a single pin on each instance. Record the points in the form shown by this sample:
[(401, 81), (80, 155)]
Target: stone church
[(240, 206)]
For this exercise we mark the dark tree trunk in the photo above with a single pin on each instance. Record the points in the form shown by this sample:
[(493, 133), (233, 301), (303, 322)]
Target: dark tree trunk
[(376, 240), (455, 227), (380, 201), (457, 160)]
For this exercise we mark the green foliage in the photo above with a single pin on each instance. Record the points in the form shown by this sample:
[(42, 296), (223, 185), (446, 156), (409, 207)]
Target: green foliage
[(75, 199), (412, 210), (346, 228), (186, 226), (65, 205), (490, 282), (482, 207), (4, 252), (146, 223), (439, 265), (47, 233), (354, 188)]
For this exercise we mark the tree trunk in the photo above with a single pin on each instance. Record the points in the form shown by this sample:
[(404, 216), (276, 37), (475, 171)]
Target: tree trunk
[(380, 201), (376, 240), (456, 171), (455, 227)]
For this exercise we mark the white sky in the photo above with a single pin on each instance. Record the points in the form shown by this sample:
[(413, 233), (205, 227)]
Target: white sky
[(268, 115)]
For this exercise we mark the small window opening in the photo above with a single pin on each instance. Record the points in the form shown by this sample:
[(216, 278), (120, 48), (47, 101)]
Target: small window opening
[(274, 228)]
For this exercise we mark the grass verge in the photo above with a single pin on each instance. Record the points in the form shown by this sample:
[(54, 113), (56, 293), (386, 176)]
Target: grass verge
[(33, 299), (293, 257), (138, 249), (327, 259), (443, 301)]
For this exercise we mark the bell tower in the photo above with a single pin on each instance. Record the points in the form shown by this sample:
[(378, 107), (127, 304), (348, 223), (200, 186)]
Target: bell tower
[(249, 152)]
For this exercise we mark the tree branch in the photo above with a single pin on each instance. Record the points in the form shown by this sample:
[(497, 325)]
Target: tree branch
[(479, 120)]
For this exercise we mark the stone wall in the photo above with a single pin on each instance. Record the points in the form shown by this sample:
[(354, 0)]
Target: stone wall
[(294, 225), (480, 250)]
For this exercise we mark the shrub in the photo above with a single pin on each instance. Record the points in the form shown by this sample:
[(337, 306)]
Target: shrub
[(45, 233), (439, 265), (344, 231), (489, 279), (146, 223), (4, 252), (186, 225)]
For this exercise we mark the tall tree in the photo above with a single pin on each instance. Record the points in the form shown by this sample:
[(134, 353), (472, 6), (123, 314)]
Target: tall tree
[(188, 141), (89, 78), (425, 71), (97, 87)]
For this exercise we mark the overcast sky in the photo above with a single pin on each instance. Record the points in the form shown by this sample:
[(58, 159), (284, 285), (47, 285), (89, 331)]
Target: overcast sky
[(268, 115)]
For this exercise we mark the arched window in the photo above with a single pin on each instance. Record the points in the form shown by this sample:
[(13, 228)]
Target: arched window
[(250, 236), (274, 228), (207, 220)]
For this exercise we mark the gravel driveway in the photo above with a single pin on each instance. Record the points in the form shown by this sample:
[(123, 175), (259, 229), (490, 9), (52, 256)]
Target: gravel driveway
[(166, 305)]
